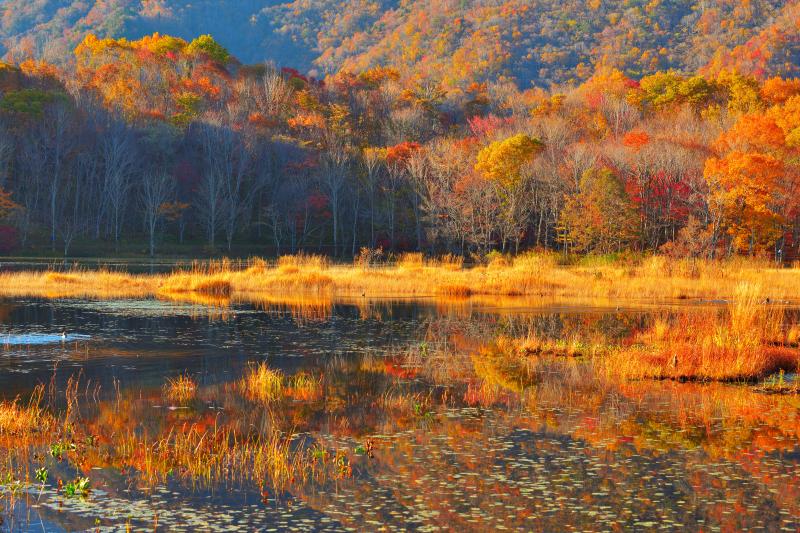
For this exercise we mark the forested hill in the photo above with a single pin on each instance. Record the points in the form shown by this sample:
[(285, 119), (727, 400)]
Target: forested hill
[(532, 41)]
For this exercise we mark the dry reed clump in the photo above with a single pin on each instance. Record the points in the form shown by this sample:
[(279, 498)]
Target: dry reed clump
[(411, 261), (256, 266), (498, 262), (538, 263), (535, 346), (300, 281), (262, 383), (24, 420), (181, 389), (793, 335), (58, 277), (216, 284), (455, 290), (214, 287), (222, 454), (299, 262), (449, 262), (745, 342)]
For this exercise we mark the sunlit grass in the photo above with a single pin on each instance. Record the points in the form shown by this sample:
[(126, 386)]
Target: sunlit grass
[(23, 419), (745, 341), (414, 275), (181, 389), (221, 453), (262, 383), (304, 387)]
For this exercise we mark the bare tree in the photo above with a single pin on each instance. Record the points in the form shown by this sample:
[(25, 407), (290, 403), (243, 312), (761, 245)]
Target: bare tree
[(336, 160), (55, 143), (418, 173), (119, 158), (6, 153), (211, 189), (372, 165), (157, 188)]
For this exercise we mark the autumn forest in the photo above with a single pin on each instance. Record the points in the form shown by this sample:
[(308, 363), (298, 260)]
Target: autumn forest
[(162, 142), (399, 265)]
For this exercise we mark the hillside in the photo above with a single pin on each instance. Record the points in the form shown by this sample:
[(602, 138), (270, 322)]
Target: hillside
[(540, 42)]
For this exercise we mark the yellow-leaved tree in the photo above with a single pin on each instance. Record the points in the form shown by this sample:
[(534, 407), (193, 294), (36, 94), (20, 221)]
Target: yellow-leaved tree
[(502, 161), (502, 164)]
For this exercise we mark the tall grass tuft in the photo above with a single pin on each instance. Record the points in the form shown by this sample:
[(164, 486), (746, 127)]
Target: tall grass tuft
[(262, 383), (181, 389), (20, 419), (743, 342)]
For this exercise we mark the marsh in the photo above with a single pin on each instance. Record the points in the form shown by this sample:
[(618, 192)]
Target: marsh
[(405, 414)]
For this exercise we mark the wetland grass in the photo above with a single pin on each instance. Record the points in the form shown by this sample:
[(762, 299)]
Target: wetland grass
[(25, 419), (181, 389), (304, 387), (262, 383), (745, 341), (540, 275)]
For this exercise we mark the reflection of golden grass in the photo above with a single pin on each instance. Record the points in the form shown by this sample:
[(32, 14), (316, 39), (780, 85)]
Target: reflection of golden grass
[(180, 389), (300, 306), (504, 364), (196, 298), (220, 453), (528, 275), (305, 387), (745, 342)]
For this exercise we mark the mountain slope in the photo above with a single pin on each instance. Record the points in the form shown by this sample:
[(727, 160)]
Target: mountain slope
[(530, 41)]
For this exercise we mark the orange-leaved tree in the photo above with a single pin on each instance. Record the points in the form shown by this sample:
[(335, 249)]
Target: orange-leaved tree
[(754, 179)]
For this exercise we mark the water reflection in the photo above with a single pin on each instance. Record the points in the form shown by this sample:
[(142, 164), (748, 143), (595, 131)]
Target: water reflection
[(438, 428), (33, 339)]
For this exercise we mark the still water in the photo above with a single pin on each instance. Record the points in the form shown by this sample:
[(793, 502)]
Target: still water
[(434, 437)]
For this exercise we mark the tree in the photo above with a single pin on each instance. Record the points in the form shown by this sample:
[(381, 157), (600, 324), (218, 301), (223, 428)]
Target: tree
[(371, 160), (207, 46), (157, 188), (336, 159), (754, 180), (397, 160), (600, 218), (746, 188), (118, 159), (502, 161), (229, 182)]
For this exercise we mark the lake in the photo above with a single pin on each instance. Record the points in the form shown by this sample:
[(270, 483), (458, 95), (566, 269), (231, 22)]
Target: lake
[(418, 424)]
